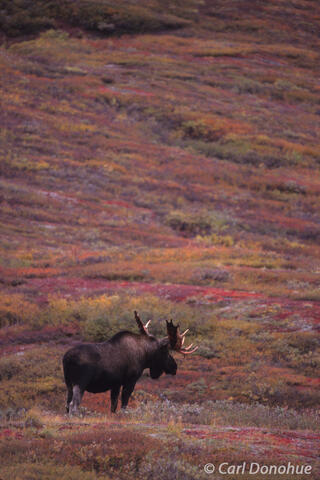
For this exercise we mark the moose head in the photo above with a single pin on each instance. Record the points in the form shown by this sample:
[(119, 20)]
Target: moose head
[(162, 361)]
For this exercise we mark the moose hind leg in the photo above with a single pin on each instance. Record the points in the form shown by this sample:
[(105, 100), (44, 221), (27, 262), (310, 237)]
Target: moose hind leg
[(69, 397), (77, 394)]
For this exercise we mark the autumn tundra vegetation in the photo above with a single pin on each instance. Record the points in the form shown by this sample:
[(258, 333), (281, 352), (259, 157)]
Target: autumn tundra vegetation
[(161, 157)]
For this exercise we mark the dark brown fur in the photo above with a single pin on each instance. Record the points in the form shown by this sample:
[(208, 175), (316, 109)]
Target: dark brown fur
[(118, 362)]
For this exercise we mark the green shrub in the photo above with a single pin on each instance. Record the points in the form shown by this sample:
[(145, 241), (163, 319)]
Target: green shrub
[(188, 224), (105, 18), (20, 17), (214, 239), (247, 85), (15, 309), (118, 315), (200, 223), (199, 129)]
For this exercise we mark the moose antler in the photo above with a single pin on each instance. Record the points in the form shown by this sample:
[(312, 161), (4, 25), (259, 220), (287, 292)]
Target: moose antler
[(177, 339), (143, 328)]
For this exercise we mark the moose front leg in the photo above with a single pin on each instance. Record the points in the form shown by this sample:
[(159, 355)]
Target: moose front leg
[(77, 394), (127, 389), (114, 397)]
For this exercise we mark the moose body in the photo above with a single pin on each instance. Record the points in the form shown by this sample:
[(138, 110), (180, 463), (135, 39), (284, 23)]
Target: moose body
[(118, 362)]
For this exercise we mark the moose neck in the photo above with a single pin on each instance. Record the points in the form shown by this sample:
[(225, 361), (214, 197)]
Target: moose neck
[(151, 347)]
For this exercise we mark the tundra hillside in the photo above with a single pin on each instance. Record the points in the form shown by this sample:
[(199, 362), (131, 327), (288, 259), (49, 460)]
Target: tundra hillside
[(162, 157)]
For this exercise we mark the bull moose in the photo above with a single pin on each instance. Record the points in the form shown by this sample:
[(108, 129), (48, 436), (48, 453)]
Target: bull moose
[(119, 362)]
